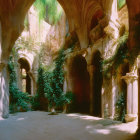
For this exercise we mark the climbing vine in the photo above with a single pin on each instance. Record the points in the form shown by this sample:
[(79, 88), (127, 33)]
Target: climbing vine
[(19, 101), (51, 79), (120, 108), (112, 64), (55, 94)]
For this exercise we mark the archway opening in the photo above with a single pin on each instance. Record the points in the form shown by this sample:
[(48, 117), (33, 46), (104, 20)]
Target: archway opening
[(97, 83), (80, 84), (25, 78)]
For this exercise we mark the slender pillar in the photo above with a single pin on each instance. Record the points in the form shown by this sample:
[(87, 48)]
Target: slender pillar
[(139, 99), (90, 69), (135, 97), (4, 91), (132, 90), (129, 97)]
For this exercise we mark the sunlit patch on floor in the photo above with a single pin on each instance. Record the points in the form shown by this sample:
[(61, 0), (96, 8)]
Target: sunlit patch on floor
[(20, 119)]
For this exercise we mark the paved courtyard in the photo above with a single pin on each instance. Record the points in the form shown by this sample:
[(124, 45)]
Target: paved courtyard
[(41, 126)]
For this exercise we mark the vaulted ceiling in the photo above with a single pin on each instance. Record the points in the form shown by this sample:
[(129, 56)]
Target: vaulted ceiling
[(82, 16)]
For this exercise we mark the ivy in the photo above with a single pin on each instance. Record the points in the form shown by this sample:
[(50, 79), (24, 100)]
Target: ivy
[(50, 82), (111, 64), (50, 8), (51, 78), (19, 101), (37, 103), (121, 108), (54, 83)]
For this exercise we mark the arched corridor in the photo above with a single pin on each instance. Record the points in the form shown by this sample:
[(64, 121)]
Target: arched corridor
[(76, 56), (80, 83), (25, 78)]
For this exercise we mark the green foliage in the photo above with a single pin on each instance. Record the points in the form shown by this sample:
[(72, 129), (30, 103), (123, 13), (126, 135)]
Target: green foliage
[(18, 100), (51, 79), (69, 97), (54, 83), (50, 8), (35, 102), (50, 83), (121, 108), (121, 54), (121, 3)]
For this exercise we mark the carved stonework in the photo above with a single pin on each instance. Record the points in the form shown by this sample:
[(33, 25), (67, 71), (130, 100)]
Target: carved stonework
[(109, 31), (130, 77), (112, 29), (104, 22), (96, 33)]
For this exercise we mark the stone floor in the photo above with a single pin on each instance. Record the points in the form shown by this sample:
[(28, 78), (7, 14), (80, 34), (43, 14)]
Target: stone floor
[(41, 126)]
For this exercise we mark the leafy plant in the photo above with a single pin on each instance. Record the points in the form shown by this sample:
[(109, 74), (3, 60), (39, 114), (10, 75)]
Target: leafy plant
[(38, 101), (50, 83), (35, 102), (54, 88), (121, 3), (121, 108), (50, 8), (19, 101), (121, 54)]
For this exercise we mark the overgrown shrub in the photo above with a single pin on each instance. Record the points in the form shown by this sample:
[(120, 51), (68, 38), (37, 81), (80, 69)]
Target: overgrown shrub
[(120, 108), (121, 54), (50, 83), (19, 101), (54, 83), (35, 102)]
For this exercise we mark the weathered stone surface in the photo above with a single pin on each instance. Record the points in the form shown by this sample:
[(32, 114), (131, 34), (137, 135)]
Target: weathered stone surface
[(82, 17), (12, 14), (133, 10)]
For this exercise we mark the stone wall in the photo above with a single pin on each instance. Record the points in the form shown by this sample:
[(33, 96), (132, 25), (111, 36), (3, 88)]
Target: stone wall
[(104, 37)]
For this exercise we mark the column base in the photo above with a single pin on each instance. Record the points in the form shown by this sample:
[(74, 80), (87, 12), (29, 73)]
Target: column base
[(130, 117)]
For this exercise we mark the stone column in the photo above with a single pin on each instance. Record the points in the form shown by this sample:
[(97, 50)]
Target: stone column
[(113, 27), (139, 100), (4, 91), (135, 97), (113, 98), (130, 79), (90, 69)]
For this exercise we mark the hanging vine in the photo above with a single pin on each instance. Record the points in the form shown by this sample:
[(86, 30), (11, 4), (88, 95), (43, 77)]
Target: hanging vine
[(48, 9)]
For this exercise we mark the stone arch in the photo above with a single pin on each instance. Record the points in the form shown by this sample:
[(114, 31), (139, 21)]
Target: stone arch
[(96, 83), (79, 80), (30, 58), (25, 77)]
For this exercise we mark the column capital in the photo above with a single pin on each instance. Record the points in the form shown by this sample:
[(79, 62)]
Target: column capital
[(130, 77)]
